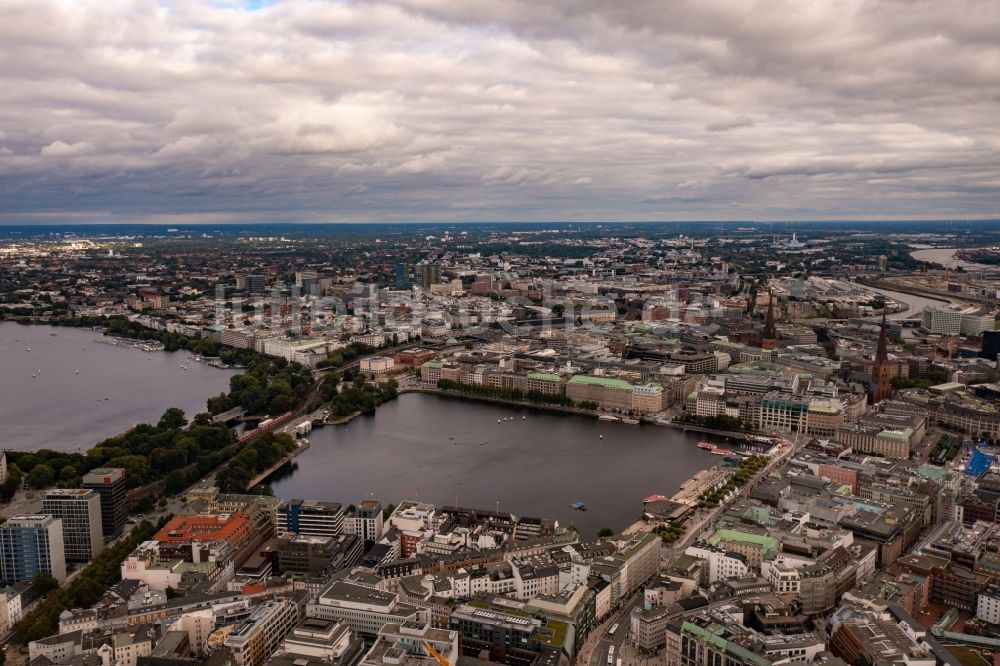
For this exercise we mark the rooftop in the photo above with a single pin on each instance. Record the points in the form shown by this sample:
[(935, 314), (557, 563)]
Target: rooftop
[(606, 382)]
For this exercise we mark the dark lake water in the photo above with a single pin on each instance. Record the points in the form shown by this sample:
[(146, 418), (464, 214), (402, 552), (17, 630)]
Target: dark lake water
[(62, 410), (534, 466)]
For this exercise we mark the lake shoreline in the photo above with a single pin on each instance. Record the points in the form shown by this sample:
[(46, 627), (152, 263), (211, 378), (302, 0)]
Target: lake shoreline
[(422, 446)]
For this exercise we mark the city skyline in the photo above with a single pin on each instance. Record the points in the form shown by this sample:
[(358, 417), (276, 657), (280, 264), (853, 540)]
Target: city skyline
[(518, 444), (423, 111)]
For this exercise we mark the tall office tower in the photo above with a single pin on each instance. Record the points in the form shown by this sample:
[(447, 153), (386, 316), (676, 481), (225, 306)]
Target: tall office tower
[(254, 284), (109, 483), (308, 282), (31, 544), (79, 509), (310, 518), (425, 274), (402, 276)]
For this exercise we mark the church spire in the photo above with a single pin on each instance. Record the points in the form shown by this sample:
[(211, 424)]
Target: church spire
[(882, 351), (881, 380), (770, 338), (769, 319)]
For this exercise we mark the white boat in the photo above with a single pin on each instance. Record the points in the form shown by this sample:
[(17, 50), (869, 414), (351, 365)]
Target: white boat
[(607, 417)]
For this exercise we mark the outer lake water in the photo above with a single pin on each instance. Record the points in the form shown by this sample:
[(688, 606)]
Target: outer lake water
[(45, 403)]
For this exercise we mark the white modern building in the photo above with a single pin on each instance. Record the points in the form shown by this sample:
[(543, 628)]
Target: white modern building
[(365, 610), (10, 609), (366, 521), (988, 606), (144, 564), (376, 366), (722, 565), (956, 320)]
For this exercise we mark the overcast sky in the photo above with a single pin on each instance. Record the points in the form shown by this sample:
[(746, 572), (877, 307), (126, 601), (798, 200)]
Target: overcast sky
[(498, 110)]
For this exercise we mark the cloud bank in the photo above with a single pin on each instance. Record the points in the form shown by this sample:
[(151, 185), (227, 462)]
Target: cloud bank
[(118, 110)]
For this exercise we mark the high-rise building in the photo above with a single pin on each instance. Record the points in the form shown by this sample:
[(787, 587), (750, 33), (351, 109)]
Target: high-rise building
[(425, 274), (403, 276), (308, 282), (29, 545), (79, 509), (310, 518), (109, 483), (253, 284)]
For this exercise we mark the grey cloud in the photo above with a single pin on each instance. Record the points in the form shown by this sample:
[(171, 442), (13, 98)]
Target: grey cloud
[(433, 109), (725, 125)]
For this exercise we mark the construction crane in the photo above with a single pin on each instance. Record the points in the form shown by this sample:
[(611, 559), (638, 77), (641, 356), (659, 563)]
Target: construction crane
[(437, 655)]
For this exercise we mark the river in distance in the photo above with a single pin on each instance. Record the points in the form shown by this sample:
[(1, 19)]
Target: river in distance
[(46, 403), (916, 303), (439, 450), (946, 257)]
